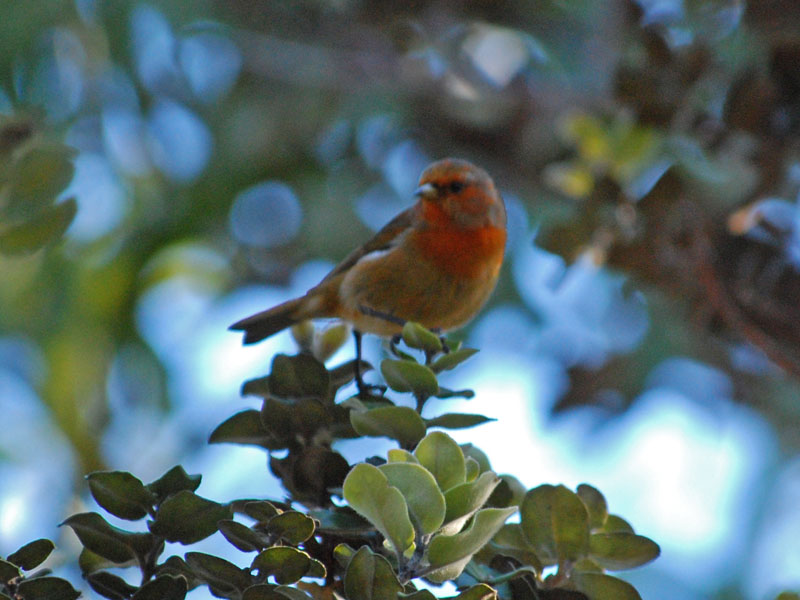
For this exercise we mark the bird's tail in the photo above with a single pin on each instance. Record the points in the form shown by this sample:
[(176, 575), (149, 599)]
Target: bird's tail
[(269, 322)]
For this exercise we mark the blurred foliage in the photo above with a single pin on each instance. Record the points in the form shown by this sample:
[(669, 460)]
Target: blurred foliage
[(213, 144)]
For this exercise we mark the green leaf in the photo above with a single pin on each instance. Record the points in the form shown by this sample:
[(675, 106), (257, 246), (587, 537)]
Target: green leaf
[(37, 178), (121, 494), (477, 592), (417, 336), (449, 554), (163, 587), (479, 455), (32, 554), (399, 423), (367, 491), (256, 387), (445, 393), (173, 481), (473, 469), (407, 376), (47, 588), (48, 225), (622, 550), (110, 586), (595, 504), (615, 523), (343, 554), (369, 576), (118, 546), (8, 571), (328, 341), (187, 518), (457, 420), (223, 578), (400, 455), (426, 506), (604, 587), (510, 541), (464, 499), (241, 536), (451, 360), (556, 522), (268, 591), (299, 376), (441, 455), (292, 526), (260, 510), (509, 492), (244, 428), (287, 564)]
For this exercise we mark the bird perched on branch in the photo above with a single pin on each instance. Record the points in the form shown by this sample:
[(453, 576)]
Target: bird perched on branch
[(435, 263)]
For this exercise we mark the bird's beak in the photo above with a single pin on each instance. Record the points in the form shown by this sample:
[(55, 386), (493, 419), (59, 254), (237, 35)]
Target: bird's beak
[(427, 191)]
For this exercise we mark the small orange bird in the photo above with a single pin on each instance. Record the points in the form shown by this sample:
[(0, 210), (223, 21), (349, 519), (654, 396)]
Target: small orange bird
[(435, 263)]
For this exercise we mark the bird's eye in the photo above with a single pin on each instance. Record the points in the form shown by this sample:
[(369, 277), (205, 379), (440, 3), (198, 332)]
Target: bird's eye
[(456, 186)]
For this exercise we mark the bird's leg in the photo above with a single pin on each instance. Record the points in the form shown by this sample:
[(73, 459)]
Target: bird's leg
[(363, 388)]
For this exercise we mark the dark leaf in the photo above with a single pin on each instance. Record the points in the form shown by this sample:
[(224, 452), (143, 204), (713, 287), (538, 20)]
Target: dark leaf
[(47, 588), (256, 387), (457, 420), (399, 423), (292, 526), (286, 564), (223, 578), (121, 494), (556, 523), (163, 587), (187, 518), (173, 481), (110, 586), (33, 554), (299, 376), (243, 428), (8, 571), (621, 550), (241, 536), (37, 178), (114, 544), (369, 576), (260, 510), (46, 226)]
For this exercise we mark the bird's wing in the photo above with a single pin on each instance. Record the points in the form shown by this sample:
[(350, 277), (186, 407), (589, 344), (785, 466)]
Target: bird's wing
[(388, 237)]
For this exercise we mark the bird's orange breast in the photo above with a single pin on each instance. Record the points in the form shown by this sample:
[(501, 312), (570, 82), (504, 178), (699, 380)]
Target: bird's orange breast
[(471, 253)]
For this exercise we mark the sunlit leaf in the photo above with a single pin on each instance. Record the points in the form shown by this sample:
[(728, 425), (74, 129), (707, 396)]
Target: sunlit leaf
[(426, 505), (556, 523), (441, 455), (369, 576), (368, 492), (621, 550), (452, 553)]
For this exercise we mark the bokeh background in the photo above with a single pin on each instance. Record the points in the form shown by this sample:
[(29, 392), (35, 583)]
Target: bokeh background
[(222, 156)]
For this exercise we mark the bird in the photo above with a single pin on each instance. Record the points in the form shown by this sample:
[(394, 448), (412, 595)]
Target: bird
[(436, 263)]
